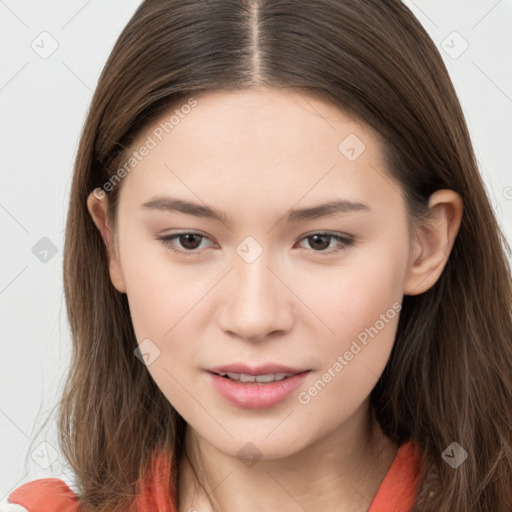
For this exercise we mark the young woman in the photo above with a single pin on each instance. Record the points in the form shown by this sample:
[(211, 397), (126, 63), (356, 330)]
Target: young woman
[(286, 285)]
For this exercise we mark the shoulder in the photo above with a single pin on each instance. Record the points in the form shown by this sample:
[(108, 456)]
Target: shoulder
[(43, 495), (399, 487)]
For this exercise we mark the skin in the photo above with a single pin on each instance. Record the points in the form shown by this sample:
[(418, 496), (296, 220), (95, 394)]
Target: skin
[(256, 154)]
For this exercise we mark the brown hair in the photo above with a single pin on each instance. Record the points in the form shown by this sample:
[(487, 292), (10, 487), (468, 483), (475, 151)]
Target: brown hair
[(448, 377)]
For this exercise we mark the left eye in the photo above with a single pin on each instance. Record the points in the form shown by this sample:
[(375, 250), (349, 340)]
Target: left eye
[(191, 241), (319, 239)]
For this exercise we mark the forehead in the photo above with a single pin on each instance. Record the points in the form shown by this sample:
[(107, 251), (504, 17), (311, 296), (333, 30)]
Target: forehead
[(278, 146)]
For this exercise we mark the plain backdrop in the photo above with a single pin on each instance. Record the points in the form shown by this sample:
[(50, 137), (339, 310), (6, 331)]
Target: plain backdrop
[(52, 55)]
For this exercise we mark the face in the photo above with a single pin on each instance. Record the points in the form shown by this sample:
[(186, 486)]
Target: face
[(276, 284)]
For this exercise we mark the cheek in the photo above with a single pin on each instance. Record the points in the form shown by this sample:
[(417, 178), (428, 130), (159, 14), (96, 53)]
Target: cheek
[(165, 305), (362, 307), (160, 292), (353, 296)]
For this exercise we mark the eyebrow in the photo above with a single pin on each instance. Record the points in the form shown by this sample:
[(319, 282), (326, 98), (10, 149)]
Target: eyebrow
[(173, 204)]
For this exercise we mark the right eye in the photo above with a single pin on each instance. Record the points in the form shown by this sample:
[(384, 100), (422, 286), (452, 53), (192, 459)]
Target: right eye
[(187, 240)]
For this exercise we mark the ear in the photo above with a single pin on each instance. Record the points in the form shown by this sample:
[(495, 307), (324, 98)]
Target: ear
[(433, 242), (97, 205)]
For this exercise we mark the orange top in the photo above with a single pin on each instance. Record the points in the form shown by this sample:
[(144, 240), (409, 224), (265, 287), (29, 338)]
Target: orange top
[(396, 492)]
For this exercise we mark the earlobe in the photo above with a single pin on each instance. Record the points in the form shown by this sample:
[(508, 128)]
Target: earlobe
[(434, 242), (97, 206)]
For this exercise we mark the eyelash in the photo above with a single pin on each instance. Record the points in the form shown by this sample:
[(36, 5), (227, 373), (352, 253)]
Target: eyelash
[(167, 241)]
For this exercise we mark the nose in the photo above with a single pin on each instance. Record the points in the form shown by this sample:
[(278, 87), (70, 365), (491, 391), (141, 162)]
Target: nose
[(257, 303)]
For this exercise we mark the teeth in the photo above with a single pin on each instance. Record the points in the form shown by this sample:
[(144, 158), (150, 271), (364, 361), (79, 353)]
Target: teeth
[(269, 377), (281, 376), (266, 378)]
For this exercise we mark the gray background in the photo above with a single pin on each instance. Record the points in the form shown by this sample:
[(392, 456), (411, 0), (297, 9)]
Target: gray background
[(44, 97)]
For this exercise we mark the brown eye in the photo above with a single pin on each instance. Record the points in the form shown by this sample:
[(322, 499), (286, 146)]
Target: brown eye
[(319, 242), (190, 240), (184, 243)]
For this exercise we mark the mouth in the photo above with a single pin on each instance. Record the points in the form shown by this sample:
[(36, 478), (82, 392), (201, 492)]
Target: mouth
[(259, 387), (264, 378)]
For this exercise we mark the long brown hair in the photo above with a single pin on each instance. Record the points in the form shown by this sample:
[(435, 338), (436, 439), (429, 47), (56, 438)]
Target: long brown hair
[(448, 378)]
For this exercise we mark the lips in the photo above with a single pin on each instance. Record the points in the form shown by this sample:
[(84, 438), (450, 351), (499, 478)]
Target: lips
[(256, 387)]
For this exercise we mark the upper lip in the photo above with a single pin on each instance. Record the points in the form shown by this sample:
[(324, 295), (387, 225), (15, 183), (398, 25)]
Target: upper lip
[(262, 369)]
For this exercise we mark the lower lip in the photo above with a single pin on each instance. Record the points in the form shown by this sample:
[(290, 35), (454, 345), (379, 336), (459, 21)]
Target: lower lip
[(256, 395)]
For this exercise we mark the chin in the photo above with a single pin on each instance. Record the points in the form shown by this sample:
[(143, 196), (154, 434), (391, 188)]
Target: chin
[(251, 449)]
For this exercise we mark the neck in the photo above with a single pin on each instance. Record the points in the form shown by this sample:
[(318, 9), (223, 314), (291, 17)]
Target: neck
[(347, 465)]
